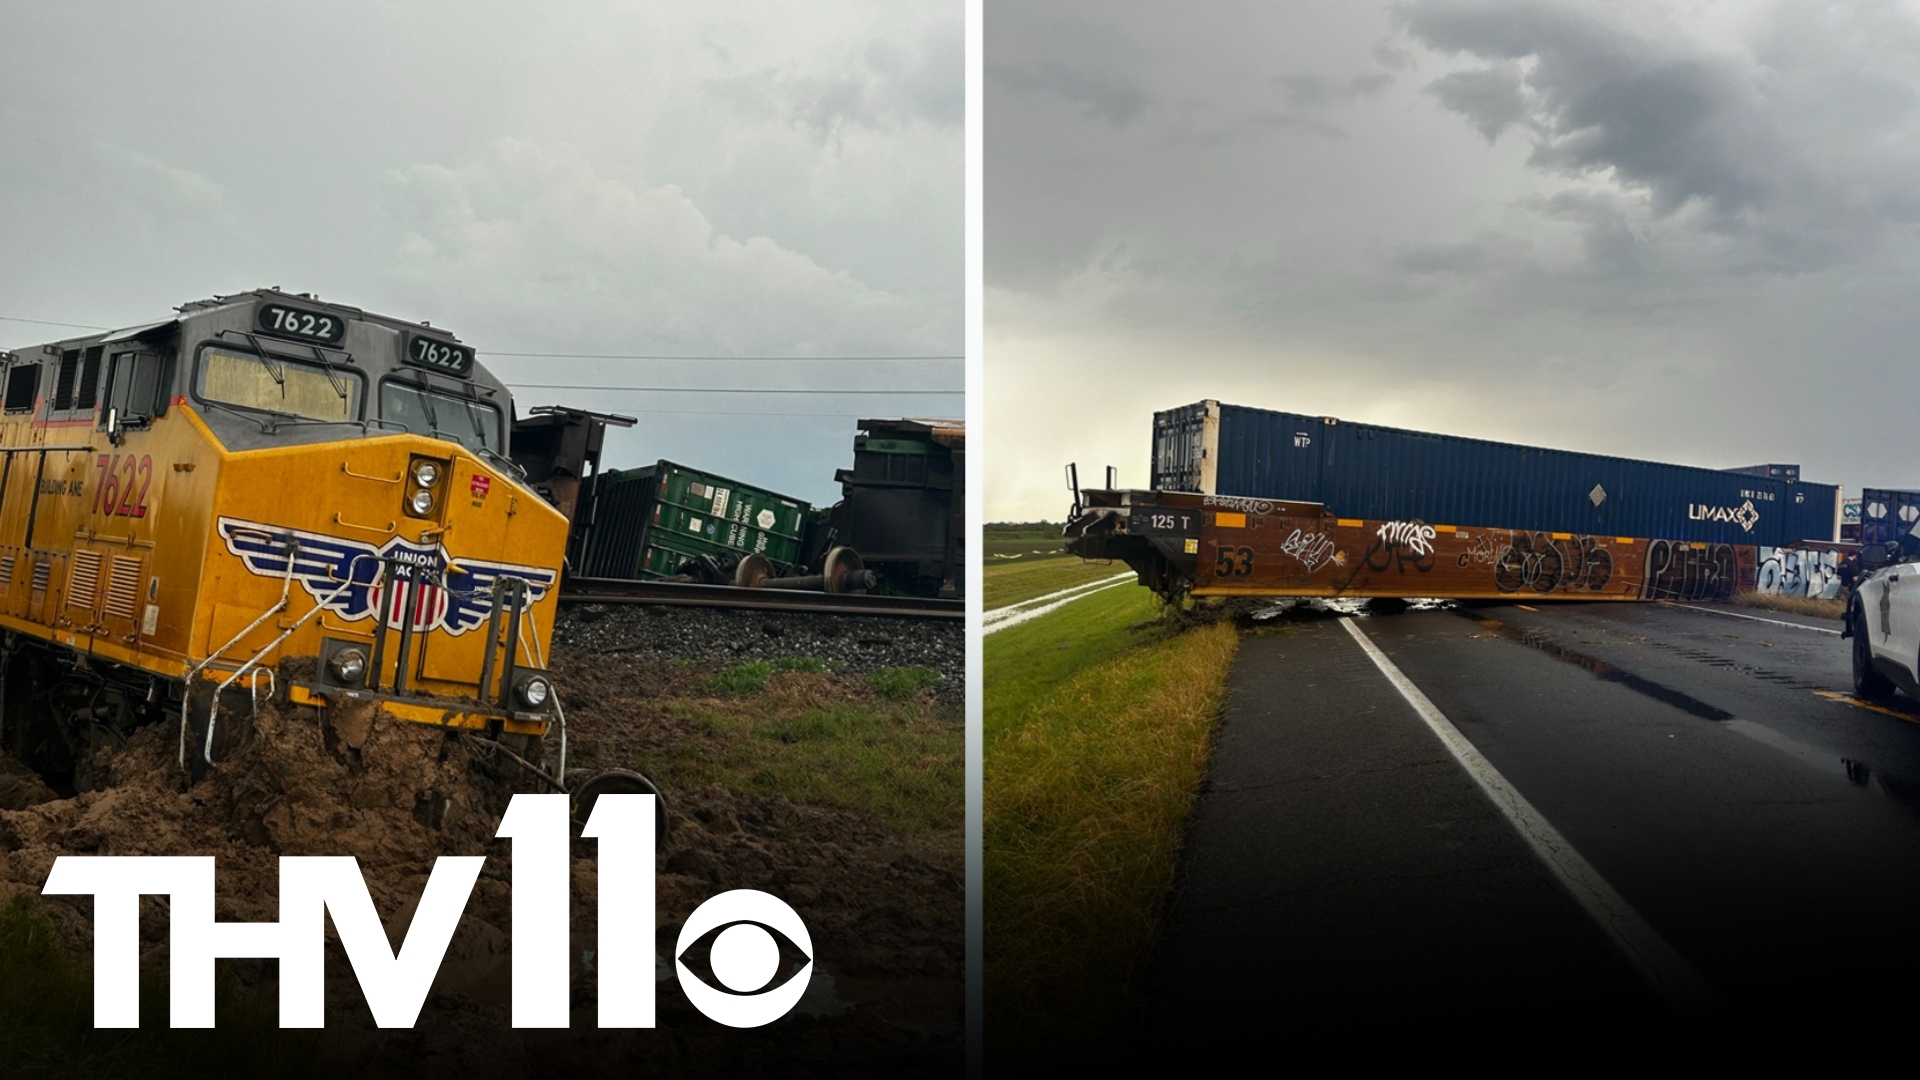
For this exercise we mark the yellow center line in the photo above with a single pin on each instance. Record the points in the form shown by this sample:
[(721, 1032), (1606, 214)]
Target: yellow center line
[(1849, 699)]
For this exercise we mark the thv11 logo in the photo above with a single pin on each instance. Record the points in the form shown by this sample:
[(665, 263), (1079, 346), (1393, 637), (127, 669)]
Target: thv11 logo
[(745, 957)]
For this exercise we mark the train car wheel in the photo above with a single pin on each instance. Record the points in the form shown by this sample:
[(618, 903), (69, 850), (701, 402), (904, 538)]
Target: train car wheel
[(844, 571), (618, 781), (752, 571)]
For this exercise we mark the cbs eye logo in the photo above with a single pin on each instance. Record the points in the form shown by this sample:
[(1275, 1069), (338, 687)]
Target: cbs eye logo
[(744, 957)]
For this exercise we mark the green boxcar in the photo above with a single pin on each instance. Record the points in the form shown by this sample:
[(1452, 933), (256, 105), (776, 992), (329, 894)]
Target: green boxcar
[(649, 522)]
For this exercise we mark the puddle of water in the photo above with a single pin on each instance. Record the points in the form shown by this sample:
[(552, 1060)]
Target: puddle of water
[(1858, 773), (1853, 772), (1316, 607), (1603, 670)]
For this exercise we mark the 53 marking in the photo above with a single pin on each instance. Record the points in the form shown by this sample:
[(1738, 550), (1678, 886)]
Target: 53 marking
[(1232, 561)]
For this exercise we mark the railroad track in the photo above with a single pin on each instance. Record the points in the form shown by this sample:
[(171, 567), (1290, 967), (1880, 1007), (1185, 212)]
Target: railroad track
[(682, 594)]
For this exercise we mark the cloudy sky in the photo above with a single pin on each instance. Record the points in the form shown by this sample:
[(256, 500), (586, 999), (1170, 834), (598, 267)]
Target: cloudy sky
[(721, 179), (1675, 231)]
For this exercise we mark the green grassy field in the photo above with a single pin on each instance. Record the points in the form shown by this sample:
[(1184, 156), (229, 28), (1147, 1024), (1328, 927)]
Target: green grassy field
[(1098, 723), (1010, 583), (1006, 541), (887, 743), (790, 729)]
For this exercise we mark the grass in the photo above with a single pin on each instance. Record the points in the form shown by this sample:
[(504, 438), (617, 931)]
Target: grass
[(1021, 540), (1097, 736), (901, 683), (888, 749), (46, 1019), (1010, 583), (1796, 605), (745, 680)]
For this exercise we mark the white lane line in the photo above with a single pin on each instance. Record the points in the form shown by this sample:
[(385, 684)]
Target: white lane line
[(1754, 618), (1019, 617), (1672, 977), (994, 614)]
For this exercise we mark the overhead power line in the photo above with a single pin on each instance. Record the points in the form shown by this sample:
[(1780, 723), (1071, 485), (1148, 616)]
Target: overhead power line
[(44, 322), (676, 356), (718, 389), (581, 356), (726, 412)]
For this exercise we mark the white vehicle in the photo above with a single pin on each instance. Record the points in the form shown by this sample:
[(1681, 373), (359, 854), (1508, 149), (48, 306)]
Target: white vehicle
[(1883, 619)]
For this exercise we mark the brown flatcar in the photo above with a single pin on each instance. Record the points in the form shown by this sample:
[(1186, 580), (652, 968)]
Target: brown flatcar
[(1220, 545)]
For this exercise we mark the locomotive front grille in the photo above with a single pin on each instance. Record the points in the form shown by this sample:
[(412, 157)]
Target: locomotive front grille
[(42, 573), (123, 588), (6, 569), (83, 579)]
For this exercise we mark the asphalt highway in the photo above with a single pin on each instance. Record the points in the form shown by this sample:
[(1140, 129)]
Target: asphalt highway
[(1758, 829)]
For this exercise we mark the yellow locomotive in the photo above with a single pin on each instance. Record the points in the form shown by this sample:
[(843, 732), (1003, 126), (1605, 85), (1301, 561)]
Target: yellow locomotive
[(267, 477)]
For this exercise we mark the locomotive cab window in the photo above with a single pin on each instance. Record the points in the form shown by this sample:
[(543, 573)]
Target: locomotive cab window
[(23, 387), (423, 411), (133, 389), (278, 385)]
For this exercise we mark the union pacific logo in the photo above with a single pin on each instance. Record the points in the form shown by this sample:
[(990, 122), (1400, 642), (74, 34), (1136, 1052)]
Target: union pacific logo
[(344, 575)]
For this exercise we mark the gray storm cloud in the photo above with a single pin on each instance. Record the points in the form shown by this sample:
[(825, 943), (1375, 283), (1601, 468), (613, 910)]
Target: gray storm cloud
[(598, 177), (1628, 228)]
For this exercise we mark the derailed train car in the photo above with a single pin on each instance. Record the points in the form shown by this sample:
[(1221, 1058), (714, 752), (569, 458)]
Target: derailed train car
[(903, 504), (899, 527), (1226, 545), (1280, 504)]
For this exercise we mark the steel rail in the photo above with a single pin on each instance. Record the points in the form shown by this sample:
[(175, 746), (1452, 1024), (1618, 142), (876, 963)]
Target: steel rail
[(685, 594)]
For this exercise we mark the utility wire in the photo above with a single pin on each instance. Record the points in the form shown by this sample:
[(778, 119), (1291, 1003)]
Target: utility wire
[(723, 412), (43, 322), (718, 389), (575, 356), (674, 356)]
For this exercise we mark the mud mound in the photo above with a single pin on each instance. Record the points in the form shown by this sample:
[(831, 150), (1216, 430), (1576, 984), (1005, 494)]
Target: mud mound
[(349, 782), (885, 914)]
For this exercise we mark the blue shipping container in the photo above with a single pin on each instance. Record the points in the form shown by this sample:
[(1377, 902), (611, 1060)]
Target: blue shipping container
[(1887, 515), (1778, 472), (1391, 474)]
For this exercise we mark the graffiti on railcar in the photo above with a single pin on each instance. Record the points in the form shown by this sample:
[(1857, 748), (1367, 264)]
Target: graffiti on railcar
[(1239, 503), (1400, 544), (1586, 565), (1313, 549), (1535, 561), (1791, 572), (1677, 570), (1482, 552)]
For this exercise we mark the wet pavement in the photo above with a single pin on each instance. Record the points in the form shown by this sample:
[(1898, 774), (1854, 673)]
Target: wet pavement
[(1341, 863)]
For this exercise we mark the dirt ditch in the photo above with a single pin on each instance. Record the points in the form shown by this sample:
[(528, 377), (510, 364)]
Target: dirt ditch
[(885, 911)]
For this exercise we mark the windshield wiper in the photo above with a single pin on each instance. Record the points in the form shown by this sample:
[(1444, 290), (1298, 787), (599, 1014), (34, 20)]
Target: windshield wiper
[(265, 428)]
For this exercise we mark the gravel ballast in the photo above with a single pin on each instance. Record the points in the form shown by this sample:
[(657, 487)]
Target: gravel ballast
[(847, 644)]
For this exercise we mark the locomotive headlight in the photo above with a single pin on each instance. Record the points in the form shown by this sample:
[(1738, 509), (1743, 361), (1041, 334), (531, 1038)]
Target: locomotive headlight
[(534, 692), (426, 474), (348, 665), (421, 501)]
